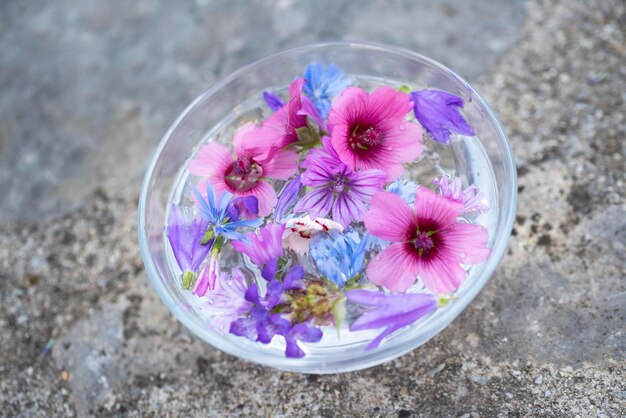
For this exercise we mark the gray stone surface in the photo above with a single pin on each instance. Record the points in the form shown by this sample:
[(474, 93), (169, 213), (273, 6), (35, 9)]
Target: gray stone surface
[(88, 88), (82, 333)]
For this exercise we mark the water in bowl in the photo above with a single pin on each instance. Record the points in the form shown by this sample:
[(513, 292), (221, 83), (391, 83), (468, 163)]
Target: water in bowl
[(464, 157)]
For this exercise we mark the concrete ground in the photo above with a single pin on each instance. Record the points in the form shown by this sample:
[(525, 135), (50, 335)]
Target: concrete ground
[(87, 89)]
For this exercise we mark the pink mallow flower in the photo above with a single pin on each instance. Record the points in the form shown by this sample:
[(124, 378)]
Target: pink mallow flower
[(428, 241), (369, 130), (256, 159)]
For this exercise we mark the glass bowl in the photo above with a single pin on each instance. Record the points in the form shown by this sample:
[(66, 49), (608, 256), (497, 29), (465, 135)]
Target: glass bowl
[(486, 160)]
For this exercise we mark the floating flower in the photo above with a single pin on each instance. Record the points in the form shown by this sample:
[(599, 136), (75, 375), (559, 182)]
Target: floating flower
[(207, 280), (299, 232), (228, 302), (438, 112), (336, 187), (263, 323), (369, 131), (276, 288), (257, 160), (390, 311), (224, 215), (428, 241), (273, 101), (185, 242), (470, 197), (339, 257), (263, 246), (324, 83), (294, 333), (287, 199)]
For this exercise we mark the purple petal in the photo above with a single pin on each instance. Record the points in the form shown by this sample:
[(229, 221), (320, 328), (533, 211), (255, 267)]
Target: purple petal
[(366, 183), (287, 198), (393, 311), (346, 209), (293, 350), (269, 270), (274, 293), (273, 101), (252, 294), (317, 202), (244, 327), (244, 207), (438, 112), (293, 279), (185, 240), (305, 333)]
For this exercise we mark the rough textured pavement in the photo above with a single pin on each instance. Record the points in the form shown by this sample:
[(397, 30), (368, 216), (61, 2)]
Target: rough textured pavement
[(82, 333)]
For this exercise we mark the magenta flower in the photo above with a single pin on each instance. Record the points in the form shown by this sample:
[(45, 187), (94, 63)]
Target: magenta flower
[(438, 112), (280, 128), (336, 187), (428, 240), (207, 279), (390, 311), (256, 159), (263, 246), (471, 197), (369, 130)]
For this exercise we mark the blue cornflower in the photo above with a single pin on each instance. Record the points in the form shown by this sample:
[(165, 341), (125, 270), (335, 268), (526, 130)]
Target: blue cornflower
[(227, 214), (339, 257), (324, 83), (403, 188)]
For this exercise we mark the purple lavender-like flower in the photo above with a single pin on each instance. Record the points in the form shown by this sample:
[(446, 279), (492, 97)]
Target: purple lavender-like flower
[(263, 246), (273, 101), (393, 311), (294, 333), (438, 112), (336, 187), (185, 242), (287, 198), (262, 324), (275, 288), (471, 197)]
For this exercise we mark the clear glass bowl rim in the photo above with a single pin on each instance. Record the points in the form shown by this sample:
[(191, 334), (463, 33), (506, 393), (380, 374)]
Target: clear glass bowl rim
[(388, 350)]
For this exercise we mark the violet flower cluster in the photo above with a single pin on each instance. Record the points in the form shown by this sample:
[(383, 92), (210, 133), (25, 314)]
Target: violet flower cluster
[(314, 208)]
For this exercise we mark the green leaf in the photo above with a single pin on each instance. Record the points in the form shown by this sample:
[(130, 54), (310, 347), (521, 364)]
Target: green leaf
[(405, 89), (307, 137)]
